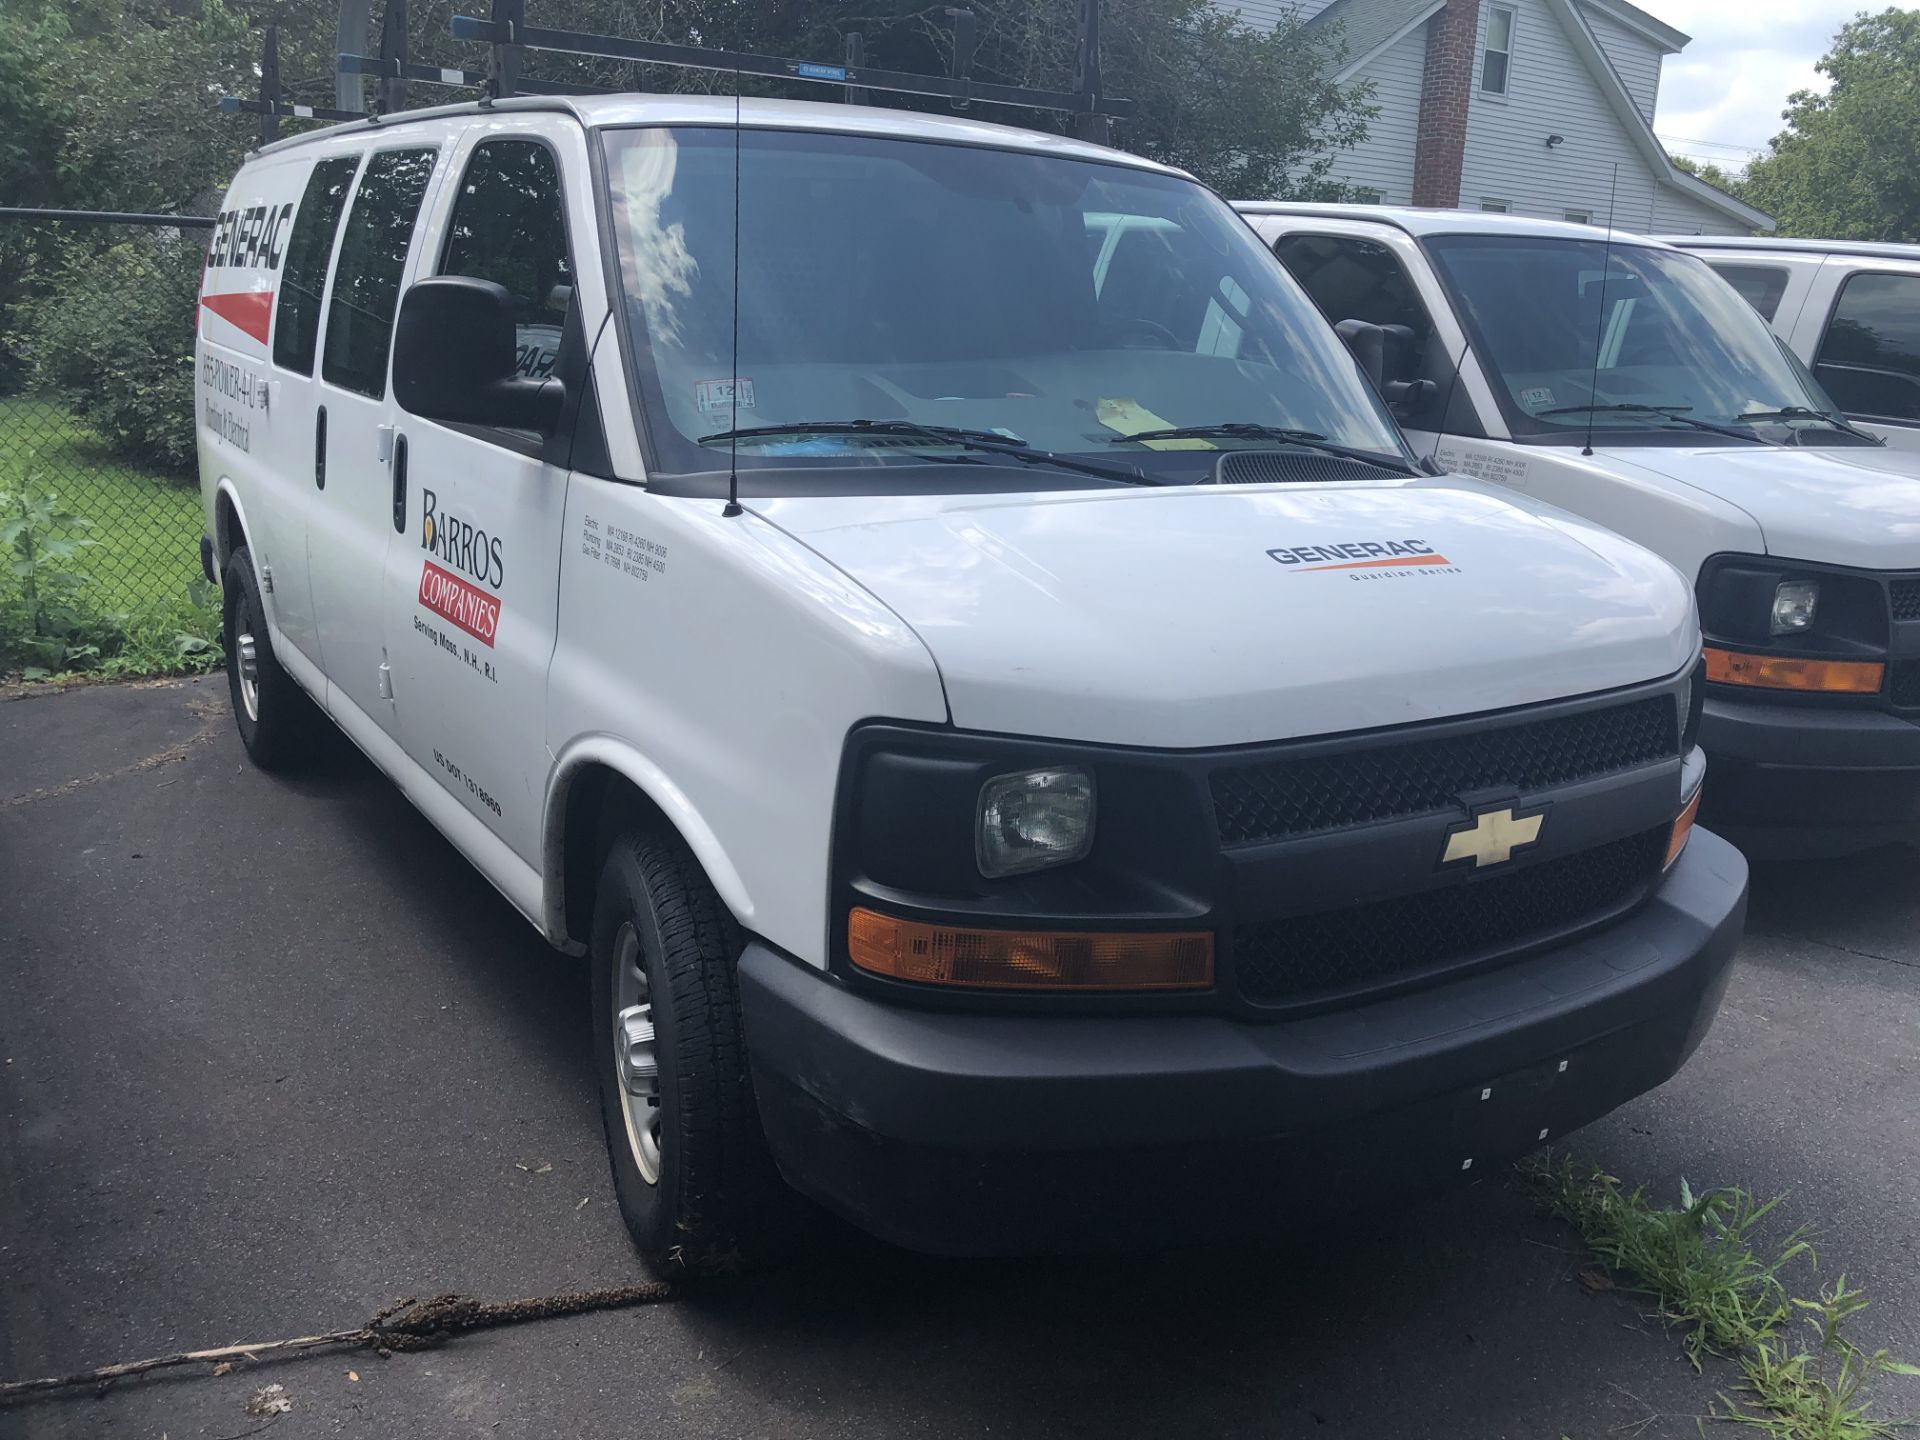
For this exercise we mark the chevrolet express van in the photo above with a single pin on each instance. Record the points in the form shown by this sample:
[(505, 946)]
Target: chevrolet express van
[(1619, 378), (1032, 760)]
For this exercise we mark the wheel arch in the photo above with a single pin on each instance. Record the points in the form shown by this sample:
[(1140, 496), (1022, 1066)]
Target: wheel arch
[(601, 787), (230, 529)]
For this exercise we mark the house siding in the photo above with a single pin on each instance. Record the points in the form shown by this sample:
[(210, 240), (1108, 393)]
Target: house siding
[(1635, 59), (1677, 213), (1384, 160), (1265, 14), (1550, 92)]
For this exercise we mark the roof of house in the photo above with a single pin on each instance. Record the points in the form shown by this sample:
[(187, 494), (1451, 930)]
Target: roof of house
[(1368, 27)]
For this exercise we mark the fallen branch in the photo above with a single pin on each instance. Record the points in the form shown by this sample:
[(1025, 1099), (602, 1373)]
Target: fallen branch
[(406, 1325)]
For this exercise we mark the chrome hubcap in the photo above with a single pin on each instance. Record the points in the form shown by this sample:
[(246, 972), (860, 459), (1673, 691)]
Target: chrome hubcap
[(635, 1060), (247, 658)]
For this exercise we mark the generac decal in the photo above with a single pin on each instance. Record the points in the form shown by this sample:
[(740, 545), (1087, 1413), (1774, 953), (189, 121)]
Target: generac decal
[(453, 599), (248, 310), (1361, 555)]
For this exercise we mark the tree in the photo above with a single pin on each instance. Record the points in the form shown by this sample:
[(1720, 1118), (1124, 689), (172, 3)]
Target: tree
[(1708, 171), (1848, 165)]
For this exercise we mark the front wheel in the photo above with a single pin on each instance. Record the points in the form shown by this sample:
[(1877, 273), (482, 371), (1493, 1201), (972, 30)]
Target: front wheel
[(696, 1185)]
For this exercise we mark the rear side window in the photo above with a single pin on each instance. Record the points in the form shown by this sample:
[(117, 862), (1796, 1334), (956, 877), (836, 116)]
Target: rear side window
[(1870, 356), (1761, 286), (366, 281), (296, 320), (509, 227)]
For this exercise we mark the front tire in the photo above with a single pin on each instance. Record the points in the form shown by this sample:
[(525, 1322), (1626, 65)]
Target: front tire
[(695, 1183), (277, 721)]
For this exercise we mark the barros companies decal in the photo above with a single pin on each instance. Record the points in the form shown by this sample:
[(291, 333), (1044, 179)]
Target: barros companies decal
[(1370, 559), (460, 546)]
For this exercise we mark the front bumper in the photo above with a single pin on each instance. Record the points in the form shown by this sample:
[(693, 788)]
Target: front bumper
[(1798, 780), (964, 1133)]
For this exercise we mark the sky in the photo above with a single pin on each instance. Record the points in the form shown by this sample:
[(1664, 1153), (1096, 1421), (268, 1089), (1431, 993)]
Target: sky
[(1722, 95)]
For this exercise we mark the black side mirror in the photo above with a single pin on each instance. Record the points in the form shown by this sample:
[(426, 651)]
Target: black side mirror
[(1368, 343), (454, 358)]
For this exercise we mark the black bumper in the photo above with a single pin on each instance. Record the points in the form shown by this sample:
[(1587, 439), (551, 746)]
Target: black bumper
[(978, 1134), (1797, 780)]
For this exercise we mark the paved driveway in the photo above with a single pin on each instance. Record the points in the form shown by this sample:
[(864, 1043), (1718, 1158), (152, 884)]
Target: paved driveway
[(274, 1055)]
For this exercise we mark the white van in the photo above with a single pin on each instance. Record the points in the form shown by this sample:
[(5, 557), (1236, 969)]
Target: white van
[(1090, 789), (1619, 378), (1850, 310)]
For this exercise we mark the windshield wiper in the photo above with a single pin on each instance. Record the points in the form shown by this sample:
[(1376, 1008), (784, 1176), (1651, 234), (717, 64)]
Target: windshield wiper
[(1281, 434), (1803, 412), (985, 440), (1675, 413)]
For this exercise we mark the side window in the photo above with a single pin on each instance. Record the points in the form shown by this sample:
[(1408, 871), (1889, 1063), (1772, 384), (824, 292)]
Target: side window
[(1870, 356), (1496, 61), (509, 227), (296, 319), (373, 257), (1761, 286), (1354, 279)]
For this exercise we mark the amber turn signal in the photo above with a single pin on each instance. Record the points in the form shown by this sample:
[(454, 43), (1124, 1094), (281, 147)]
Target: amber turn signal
[(1023, 960), (1775, 672), (1682, 828)]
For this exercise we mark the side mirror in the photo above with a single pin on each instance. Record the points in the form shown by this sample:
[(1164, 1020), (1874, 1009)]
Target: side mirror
[(1369, 346), (454, 359)]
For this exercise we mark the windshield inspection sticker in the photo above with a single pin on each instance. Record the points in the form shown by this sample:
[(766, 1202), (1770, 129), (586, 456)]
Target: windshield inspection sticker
[(1536, 397), (1368, 559), (714, 396)]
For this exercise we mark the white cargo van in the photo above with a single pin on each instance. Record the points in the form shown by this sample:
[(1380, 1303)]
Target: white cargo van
[(1850, 310), (1090, 789), (1619, 378)]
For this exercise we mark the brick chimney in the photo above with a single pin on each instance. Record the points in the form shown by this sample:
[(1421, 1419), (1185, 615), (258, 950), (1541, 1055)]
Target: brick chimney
[(1446, 89)]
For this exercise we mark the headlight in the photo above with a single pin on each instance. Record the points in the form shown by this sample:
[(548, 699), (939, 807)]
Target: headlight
[(1793, 606), (1033, 820)]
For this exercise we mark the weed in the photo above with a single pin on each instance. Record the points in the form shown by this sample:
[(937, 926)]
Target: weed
[(1700, 1261), (45, 624), (1816, 1395)]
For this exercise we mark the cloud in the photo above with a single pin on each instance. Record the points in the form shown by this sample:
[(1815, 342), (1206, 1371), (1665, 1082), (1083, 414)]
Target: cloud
[(1723, 94)]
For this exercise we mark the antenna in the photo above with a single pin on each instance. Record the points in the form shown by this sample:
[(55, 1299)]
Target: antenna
[(1440, 424), (1600, 327), (732, 507)]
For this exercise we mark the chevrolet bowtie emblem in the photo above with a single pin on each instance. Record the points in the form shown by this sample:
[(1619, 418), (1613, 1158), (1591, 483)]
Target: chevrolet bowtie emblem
[(1492, 838)]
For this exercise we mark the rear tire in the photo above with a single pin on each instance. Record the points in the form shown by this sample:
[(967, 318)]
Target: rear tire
[(695, 1182), (277, 721)]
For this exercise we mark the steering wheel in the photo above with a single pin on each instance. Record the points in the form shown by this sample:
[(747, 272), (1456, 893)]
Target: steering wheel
[(1157, 336)]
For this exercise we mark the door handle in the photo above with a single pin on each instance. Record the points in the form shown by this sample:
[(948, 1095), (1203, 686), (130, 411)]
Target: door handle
[(320, 449), (400, 484)]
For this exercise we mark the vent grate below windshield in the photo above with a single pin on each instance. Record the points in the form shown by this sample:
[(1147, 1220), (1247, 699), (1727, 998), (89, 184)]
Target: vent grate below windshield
[(1294, 467)]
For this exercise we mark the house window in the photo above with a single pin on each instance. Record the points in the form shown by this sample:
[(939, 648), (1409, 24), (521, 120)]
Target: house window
[(1580, 217), (1496, 207), (1366, 197), (1496, 60)]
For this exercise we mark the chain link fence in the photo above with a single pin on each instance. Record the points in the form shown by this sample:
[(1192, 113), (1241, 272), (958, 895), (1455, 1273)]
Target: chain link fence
[(99, 502)]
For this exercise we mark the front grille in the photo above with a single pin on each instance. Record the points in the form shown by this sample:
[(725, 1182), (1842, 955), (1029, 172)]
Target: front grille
[(1281, 467), (1278, 798), (1905, 686), (1296, 959), (1906, 599)]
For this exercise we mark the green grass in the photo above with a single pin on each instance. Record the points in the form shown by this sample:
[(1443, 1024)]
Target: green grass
[(1713, 1271), (141, 586)]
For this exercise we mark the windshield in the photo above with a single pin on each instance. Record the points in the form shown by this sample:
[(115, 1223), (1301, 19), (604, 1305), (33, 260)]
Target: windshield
[(1027, 299), (1673, 336)]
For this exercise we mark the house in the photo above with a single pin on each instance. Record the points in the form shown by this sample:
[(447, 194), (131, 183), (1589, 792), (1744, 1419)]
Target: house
[(1529, 106)]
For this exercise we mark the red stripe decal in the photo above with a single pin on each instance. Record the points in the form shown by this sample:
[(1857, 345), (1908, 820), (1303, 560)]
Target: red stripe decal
[(248, 310)]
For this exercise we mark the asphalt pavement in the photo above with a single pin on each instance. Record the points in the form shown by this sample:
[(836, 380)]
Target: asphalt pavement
[(274, 1056)]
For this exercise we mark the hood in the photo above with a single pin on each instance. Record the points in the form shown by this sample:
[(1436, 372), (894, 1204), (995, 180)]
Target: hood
[(1857, 507), (1227, 615)]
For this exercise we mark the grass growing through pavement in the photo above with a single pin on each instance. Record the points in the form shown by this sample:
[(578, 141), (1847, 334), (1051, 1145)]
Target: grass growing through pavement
[(1710, 1269)]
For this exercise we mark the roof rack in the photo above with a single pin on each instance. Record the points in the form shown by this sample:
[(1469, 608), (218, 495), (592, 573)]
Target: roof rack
[(510, 37)]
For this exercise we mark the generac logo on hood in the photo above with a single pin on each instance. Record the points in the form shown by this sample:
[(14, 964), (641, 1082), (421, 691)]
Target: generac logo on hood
[(1363, 555)]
